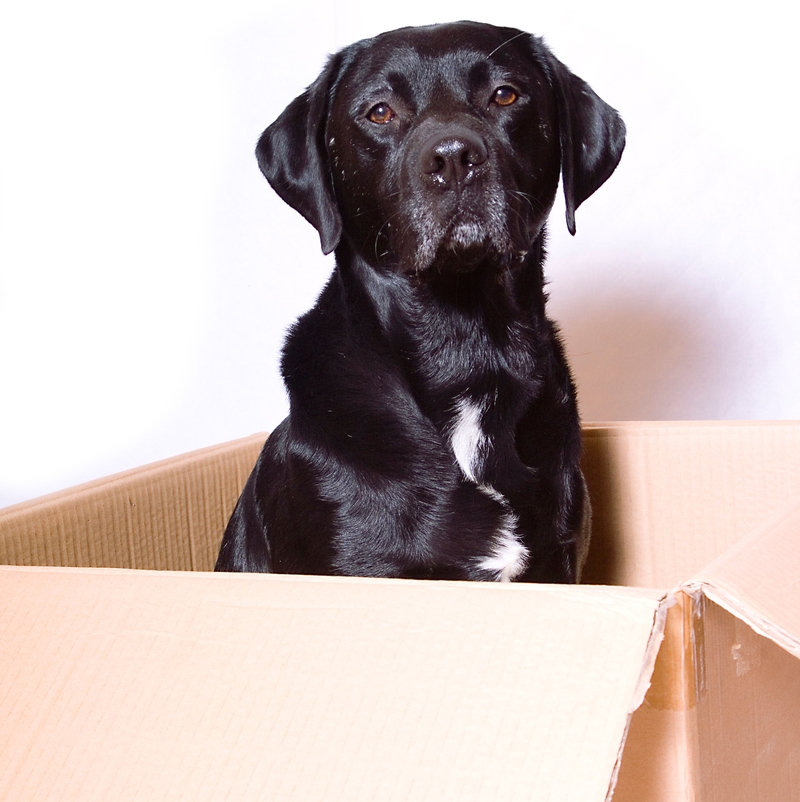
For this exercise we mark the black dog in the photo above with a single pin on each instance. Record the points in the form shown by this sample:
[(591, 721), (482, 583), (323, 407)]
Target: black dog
[(433, 430)]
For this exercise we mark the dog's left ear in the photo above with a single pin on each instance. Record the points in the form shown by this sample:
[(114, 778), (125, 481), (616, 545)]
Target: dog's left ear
[(591, 134), (291, 154)]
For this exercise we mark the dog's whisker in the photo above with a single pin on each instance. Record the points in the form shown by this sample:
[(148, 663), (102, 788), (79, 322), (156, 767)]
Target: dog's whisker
[(533, 202), (386, 224), (507, 41)]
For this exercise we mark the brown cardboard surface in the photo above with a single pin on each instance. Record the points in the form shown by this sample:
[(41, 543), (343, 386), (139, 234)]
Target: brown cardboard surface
[(720, 720), (157, 685), (748, 706), (169, 515)]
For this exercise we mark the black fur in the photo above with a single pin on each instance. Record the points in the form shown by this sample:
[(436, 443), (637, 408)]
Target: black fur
[(433, 188)]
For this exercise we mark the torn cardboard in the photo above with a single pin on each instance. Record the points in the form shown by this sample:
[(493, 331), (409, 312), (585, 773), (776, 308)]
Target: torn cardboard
[(135, 674)]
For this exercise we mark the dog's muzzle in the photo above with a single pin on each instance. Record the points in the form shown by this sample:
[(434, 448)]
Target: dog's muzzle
[(456, 209)]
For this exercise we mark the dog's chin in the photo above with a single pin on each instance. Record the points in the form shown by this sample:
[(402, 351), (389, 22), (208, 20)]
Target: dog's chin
[(467, 247)]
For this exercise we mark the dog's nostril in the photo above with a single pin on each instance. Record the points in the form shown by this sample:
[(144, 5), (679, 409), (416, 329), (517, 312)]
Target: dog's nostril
[(474, 154), (434, 164)]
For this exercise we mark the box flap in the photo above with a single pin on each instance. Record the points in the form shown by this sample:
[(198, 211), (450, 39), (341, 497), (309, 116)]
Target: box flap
[(658, 762), (137, 684), (758, 580), (719, 722)]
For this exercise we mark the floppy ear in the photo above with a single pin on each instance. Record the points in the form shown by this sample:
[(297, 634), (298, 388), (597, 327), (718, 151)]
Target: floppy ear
[(291, 154), (592, 137)]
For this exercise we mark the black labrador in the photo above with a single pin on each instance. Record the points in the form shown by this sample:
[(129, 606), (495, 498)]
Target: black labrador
[(433, 428)]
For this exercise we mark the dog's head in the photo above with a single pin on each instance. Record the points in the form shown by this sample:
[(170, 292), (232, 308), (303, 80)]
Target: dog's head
[(440, 145)]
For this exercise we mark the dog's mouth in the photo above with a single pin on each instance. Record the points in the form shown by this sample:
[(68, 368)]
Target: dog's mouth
[(466, 243), (451, 258)]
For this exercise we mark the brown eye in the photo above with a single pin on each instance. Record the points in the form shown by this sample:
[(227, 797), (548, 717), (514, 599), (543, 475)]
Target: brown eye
[(381, 114), (505, 96)]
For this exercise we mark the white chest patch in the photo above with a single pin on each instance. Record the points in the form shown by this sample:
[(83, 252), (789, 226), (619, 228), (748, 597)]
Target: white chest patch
[(509, 557), (468, 440)]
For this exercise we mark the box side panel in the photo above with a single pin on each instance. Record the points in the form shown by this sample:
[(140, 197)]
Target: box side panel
[(670, 497), (748, 716), (169, 515), (157, 685)]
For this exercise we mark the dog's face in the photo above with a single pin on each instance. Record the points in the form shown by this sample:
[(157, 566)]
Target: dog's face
[(441, 146)]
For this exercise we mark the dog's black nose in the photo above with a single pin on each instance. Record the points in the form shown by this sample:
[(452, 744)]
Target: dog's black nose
[(452, 159)]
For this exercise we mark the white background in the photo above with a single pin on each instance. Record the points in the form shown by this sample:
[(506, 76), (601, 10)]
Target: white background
[(148, 273)]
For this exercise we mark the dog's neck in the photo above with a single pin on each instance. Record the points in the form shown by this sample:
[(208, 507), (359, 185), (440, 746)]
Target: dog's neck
[(459, 335), (511, 290)]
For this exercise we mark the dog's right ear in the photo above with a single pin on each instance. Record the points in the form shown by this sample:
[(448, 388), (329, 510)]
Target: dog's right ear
[(291, 154)]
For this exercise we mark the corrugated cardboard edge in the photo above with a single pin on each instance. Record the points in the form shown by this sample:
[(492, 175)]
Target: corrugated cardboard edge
[(748, 701), (645, 679), (170, 464), (736, 645)]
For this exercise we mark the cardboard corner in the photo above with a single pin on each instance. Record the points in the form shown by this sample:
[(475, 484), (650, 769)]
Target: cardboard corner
[(758, 580), (744, 723), (719, 718), (657, 759)]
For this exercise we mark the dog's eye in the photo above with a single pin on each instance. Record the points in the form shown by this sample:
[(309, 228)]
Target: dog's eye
[(504, 96), (381, 114)]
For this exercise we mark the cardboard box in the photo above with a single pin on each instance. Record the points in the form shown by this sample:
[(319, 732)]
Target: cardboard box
[(127, 673)]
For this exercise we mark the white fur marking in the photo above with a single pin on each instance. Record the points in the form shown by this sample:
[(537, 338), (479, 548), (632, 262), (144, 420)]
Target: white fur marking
[(509, 558), (468, 440), (494, 494)]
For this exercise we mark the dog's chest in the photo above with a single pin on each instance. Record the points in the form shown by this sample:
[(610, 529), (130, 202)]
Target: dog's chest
[(475, 371), (477, 397), (481, 396)]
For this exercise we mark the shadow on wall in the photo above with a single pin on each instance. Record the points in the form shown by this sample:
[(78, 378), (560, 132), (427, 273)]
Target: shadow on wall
[(639, 358)]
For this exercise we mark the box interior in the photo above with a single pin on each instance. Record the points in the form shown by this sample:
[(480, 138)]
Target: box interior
[(667, 499)]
